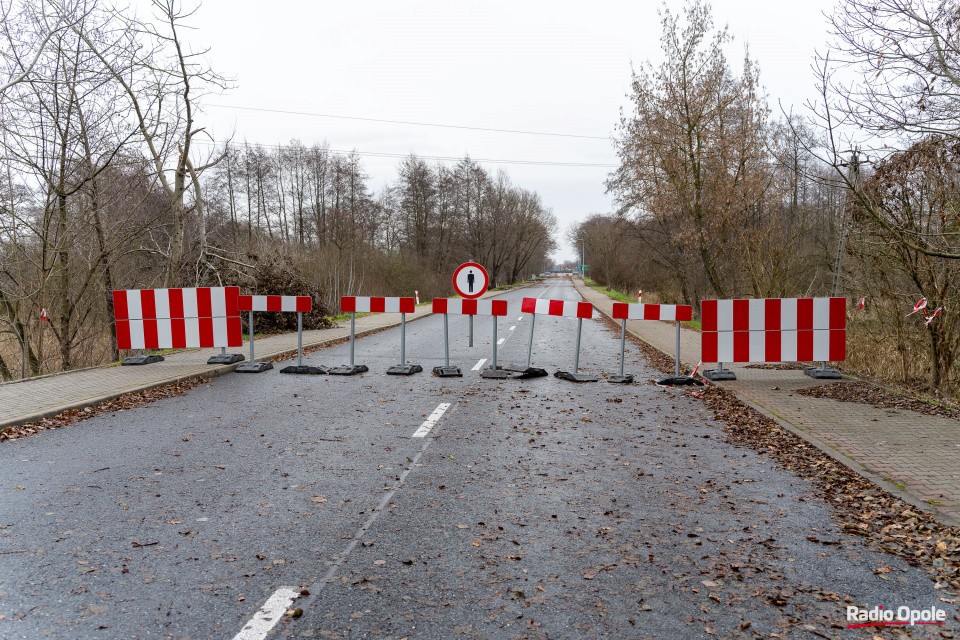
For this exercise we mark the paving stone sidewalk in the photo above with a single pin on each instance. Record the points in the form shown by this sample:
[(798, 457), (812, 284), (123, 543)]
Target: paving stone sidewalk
[(912, 455), (37, 398)]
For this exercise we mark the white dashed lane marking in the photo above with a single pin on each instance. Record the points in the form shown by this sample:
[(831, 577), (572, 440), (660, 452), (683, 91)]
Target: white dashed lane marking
[(269, 614), (501, 340), (477, 366), (513, 327), (431, 421)]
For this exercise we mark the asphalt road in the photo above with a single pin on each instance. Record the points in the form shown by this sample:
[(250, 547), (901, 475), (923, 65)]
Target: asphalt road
[(533, 508)]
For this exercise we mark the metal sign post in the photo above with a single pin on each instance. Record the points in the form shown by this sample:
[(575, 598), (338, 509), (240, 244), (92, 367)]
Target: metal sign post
[(300, 367), (404, 369), (253, 366), (350, 369), (576, 376), (493, 371)]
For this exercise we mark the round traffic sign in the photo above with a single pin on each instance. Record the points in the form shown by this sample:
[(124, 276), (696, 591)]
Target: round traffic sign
[(470, 280)]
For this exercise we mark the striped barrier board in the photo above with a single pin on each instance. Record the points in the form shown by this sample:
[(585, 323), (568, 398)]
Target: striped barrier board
[(774, 330), (177, 318), (565, 308), (457, 306), (357, 304), (637, 311), (274, 303)]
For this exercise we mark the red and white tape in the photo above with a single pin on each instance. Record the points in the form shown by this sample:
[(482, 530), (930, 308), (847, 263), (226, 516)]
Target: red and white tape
[(565, 308), (274, 303), (671, 312), (470, 307), (349, 304)]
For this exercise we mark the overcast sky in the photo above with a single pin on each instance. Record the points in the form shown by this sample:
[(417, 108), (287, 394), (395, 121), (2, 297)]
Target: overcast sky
[(553, 67)]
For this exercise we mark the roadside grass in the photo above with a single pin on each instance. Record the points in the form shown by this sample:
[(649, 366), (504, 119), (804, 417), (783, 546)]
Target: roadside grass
[(622, 297)]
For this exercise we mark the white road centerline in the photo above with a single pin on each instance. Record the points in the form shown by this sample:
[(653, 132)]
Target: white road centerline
[(477, 366), (432, 420), (268, 615), (501, 340), (520, 319), (513, 327)]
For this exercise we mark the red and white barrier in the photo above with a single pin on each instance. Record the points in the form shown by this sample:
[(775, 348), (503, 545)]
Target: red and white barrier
[(364, 304), (565, 308), (668, 312), (177, 318), (275, 303), (456, 306), (774, 330), (357, 304)]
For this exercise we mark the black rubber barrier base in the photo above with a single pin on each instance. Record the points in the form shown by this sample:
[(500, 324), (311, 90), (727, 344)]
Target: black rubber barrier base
[(404, 369), (447, 372), (497, 374), (254, 367), (822, 374), (575, 377), (348, 370), (679, 381), (618, 379), (225, 358), (304, 369), (532, 372), (719, 374), (138, 360)]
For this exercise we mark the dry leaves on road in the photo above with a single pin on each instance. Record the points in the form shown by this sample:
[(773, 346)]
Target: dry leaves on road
[(868, 393)]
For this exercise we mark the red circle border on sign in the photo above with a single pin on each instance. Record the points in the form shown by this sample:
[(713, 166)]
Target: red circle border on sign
[(475, 266)]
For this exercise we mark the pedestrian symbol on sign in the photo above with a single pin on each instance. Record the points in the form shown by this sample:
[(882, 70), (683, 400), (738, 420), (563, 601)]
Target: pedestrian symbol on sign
[(470, 280)]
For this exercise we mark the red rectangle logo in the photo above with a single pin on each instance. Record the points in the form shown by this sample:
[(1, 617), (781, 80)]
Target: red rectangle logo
[(804, 318), (123, 329), (408, 305), (708, 319), (499, 307), (708, 346), (175, 297), (234, 332), (274, 303), (244, 303), (741, 344), (178, 333), (204, 304), (555, 308), (651, 312), (150, 338), (838, 316), (584, 310), (469, 307), (120, 311), (771, 319), (378, 305), (620, 310), (230, 298), (529, 305), (439, 305), (772, 344), (805, 339), (206, 332), (684, 312), (348, 304), (304, 303), (838, 344), (148, 306), (741, 317)]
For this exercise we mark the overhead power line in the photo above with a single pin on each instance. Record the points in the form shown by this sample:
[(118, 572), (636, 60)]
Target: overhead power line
[(416, 124), (377, 154)]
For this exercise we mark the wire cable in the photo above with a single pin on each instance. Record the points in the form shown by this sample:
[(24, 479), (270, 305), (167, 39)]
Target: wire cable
[(416, 124)]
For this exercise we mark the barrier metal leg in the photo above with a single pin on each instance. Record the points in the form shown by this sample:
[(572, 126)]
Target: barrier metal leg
[(576, 376), (141, 359), (253, 366), (493, 371), (676, 366), (621, 378), (446, 371), (350, 369), (676, 378), (470, 344), (404, 369), (300, 367), (225, 358)]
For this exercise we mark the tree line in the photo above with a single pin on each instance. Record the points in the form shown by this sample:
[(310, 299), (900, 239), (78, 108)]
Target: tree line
[(110, 181), (855, 196)]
